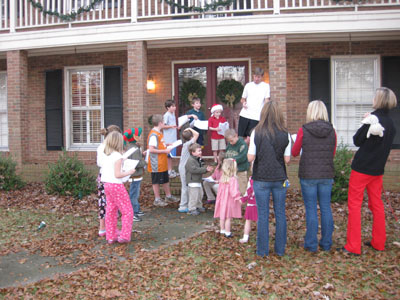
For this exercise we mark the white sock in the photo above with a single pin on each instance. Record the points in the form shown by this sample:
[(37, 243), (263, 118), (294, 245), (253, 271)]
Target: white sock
[(245, 237), (227, 233), (222, 232)]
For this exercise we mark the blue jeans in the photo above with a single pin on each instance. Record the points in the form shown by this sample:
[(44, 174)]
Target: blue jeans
[(313, 190), (262, 191), (134, 192)]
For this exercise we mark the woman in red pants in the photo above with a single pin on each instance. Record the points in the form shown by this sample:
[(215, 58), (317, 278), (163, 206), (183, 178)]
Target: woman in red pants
[(374, 138)]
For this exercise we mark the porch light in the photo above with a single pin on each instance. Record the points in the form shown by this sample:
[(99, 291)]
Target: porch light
[(151, 85)]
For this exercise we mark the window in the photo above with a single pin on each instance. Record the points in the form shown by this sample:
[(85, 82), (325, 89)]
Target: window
[(355, 79), (3, 112), (84, 107)]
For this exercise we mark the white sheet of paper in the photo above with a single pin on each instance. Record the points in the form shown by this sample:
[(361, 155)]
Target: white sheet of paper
[(209, 179), (146, 159), (129, 152), (223, 127), (203, 125), (128, 164), (182, 120), (175, 144)]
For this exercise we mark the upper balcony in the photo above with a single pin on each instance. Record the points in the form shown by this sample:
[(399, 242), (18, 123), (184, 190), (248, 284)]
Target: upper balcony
[(23, 24)]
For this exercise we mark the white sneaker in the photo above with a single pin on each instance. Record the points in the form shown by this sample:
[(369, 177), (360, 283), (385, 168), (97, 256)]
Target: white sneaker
[(171, 199), (159, 202), (173, 174), (243, 241)]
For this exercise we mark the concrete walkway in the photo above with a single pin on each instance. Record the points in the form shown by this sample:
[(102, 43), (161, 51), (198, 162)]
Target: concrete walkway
[(160, 227)]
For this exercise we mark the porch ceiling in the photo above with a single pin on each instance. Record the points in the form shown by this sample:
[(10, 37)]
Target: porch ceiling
[(365, 26)]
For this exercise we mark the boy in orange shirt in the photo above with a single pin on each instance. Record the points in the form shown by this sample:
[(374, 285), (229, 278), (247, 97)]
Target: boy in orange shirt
[(157, 162)]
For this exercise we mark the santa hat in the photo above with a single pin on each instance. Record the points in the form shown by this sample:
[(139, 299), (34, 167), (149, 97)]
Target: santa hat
[(129, 135), (216, 107)]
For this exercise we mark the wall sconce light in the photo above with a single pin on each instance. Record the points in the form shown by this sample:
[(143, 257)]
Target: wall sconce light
[(151, 85)]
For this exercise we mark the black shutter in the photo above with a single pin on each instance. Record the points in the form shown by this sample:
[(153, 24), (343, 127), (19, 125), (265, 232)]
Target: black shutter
[(113, 96), (320, 81), (391, 80), (54, 110)]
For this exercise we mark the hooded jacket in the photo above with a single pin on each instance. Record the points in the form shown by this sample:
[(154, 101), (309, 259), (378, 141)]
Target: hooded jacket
[(318, 145)]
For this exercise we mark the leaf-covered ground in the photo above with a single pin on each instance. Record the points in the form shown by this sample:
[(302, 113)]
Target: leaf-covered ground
[(206, 266)]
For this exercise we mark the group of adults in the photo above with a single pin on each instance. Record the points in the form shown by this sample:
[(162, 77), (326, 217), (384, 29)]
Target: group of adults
[(262, 125)]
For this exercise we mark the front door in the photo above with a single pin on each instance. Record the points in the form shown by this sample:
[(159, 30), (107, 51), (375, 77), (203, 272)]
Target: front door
[(206, 81)]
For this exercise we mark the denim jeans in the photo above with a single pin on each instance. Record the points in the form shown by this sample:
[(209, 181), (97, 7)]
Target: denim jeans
[(313, 190), (134, 192), (262, 191)]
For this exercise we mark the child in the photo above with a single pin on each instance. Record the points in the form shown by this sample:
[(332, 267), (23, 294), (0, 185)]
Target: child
[(228, 198), (100, 185), (194, 170), (251, 213), (374, 140), (169, 132), (217, 140), (196, 114), (117, 196), (189, 137), (131, 136), (237, 149), (211, 188), (157, 164)]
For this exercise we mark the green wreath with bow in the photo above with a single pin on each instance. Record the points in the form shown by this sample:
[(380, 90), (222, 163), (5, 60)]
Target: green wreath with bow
[(190, 89), (230, 91)]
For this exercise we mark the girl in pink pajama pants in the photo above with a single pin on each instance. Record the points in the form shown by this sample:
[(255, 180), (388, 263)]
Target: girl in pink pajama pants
[(116, 194)]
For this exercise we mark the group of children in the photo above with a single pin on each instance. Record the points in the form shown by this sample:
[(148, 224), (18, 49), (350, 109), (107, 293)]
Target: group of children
[(228, 183)]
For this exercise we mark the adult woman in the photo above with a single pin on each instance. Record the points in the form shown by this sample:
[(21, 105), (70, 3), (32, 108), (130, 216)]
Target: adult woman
[(374, 138), (317, 140), (270, 150)]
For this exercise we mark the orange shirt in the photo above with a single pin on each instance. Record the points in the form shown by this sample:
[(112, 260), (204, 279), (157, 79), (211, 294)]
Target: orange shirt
[(157, 161)]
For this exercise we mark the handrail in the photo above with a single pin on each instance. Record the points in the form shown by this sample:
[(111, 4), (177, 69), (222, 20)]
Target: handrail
[(20, 14)]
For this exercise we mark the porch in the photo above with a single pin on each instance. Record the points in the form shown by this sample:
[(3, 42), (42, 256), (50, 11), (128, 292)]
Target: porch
[(22, 15)]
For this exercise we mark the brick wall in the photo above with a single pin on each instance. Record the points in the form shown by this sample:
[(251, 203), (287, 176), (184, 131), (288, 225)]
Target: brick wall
[(159, 64)]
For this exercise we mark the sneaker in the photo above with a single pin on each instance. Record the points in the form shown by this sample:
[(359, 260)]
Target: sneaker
[(172, 174), (102, 233), (136, 219), (159, 202), (193, 212), (140, 213), (183, 210), (123, 241), (171, 199), (201, 209), (229, 235), (243, 240)]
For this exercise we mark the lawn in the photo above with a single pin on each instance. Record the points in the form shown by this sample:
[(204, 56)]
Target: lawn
[(206, 266)]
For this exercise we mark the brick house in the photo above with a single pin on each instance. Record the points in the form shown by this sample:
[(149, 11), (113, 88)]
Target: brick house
[(61, 81)]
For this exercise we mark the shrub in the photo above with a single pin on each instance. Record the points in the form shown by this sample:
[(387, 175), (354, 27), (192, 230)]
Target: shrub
[(9, 179), (69, 177), (342, 163)]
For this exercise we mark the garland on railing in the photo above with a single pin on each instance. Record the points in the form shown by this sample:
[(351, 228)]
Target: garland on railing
[(208, 6), (65, 17)]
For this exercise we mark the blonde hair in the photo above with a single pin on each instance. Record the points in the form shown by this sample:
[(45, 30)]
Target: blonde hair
[(229, 170), (316, 110), (156, 120), (271, 119), (230, 133), (111, 128), (113, 142), (384, 99)]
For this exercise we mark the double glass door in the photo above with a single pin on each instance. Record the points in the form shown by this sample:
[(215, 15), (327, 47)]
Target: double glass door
[(201, 80)]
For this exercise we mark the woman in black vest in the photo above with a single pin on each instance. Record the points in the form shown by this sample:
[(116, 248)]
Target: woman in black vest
[(270, 150), (375, 139), (317, 140)]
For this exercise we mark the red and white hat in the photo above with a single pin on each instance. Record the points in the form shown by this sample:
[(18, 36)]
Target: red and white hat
[(216, 107)]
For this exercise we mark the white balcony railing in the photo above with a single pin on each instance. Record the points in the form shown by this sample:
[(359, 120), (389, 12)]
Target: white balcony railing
[(20, 14)]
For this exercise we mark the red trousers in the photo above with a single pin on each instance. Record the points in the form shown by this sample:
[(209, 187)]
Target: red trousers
[(357, 184)]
